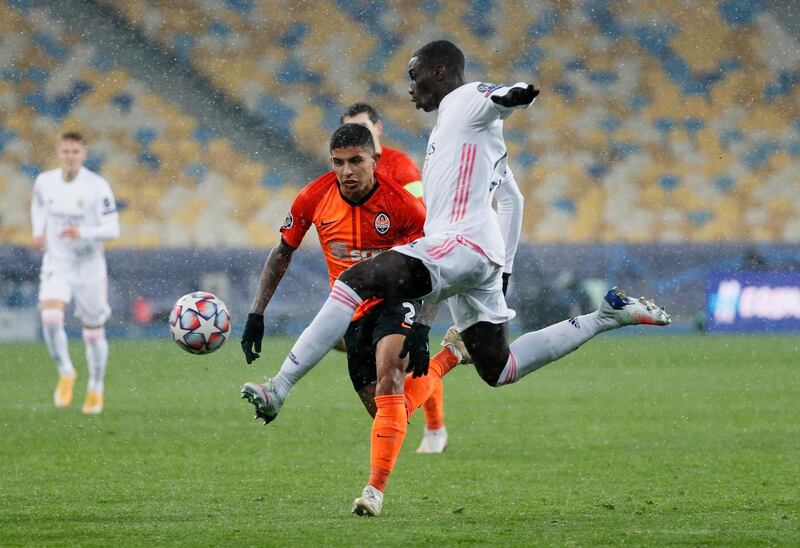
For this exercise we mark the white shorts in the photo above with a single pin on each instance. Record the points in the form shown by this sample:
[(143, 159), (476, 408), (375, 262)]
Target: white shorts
[(85, 280), (471, 284)]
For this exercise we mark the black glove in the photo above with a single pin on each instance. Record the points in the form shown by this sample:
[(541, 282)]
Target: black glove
[(416, 348), (516, 97), (506, 276), (251, 338)]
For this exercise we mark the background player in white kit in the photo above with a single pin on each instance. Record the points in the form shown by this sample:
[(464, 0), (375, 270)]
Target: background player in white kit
[(460, 259), (72, 211)]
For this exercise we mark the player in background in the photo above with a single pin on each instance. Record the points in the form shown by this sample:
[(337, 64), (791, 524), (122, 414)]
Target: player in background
[(400, 167), (72, 212), (460, 259), (394, 163)]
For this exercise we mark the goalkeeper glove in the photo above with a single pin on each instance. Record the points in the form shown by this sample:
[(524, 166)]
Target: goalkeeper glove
[(416, 348), (251, 338)]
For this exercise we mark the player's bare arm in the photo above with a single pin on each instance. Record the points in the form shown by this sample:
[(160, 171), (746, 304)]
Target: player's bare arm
[(271, 275)]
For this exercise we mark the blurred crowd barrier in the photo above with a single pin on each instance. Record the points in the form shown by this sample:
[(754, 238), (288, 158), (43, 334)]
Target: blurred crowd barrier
[(550, 283), (658, 121)]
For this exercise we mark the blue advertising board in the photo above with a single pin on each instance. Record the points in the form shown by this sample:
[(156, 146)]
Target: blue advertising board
[(755, 300)]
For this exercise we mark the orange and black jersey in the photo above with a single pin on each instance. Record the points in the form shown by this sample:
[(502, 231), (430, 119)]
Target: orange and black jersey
[(350, 232), (399, 167)]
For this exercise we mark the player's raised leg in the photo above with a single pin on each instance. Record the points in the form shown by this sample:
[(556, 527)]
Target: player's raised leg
[(498, 364)]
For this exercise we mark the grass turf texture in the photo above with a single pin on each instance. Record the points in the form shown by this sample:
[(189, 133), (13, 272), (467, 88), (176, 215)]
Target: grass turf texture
[(641, 440)]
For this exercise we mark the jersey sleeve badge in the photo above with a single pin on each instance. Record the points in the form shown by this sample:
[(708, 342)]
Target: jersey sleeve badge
[(488, 88)]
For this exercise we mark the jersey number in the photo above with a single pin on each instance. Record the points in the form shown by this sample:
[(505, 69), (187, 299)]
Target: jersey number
[(409, 318)]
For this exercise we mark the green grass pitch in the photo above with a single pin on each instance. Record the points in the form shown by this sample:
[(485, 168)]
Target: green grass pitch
[(635, 440)]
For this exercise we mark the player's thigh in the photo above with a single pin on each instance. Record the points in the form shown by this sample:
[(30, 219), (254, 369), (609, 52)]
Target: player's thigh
[(55, 285), (392, 320), (389, 275), (487, 344), (91, 296), (360, 354)]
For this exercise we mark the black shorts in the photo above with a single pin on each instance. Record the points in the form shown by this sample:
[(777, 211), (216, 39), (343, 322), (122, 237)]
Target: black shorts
[(363, 334)]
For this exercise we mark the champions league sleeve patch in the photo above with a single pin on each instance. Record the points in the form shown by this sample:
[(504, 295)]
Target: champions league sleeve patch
[(487, 88), (108, 206), (288, 222), (382, 223)]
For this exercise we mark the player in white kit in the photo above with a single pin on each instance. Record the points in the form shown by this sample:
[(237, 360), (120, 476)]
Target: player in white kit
[(72, 212), (460, 259)]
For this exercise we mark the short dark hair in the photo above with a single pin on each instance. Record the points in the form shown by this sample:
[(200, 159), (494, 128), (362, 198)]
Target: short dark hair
[(441, 52), (72, 136), (352, 135), (357, 108)]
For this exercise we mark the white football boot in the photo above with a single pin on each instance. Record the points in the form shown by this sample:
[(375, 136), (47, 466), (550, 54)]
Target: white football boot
[(369, 503), (453, 340), (433, 441), (623, 310), (265, 398)]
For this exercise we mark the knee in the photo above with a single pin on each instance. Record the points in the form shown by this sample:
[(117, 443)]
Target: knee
[(490, 369), (391, 378), (93, 334), (490, 375), (52, 317), (387, 386), (355, 277)]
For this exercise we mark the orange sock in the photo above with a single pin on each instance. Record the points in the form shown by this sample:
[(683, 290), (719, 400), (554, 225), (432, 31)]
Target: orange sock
[(419, 390), (388, 432), (434, 405)]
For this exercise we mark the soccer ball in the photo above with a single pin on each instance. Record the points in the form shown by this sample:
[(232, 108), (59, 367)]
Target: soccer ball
[(200, 322)]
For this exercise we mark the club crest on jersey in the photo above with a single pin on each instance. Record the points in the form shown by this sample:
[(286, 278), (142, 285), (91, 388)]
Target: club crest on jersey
[(488, 88), (288, 222), (382, 223)]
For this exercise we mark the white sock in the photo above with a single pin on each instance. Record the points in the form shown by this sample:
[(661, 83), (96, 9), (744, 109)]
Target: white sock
[(325, 330), (56, 340), (96, 356), (538, 348)]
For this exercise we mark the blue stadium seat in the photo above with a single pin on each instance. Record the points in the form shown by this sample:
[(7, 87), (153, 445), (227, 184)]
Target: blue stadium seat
[(669, 182)]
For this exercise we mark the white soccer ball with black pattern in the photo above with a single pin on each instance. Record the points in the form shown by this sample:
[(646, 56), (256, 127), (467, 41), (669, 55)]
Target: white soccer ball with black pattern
[(200, 322)]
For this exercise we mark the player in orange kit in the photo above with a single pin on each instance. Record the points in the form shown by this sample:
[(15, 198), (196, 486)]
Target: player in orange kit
[(358, 213), (399, 166)]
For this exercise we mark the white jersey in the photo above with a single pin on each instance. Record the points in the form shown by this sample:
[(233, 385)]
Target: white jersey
[(86, 201), (464, 163)]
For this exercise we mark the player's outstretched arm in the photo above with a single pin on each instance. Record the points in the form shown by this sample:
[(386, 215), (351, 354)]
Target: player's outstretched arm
[(271, 275)]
